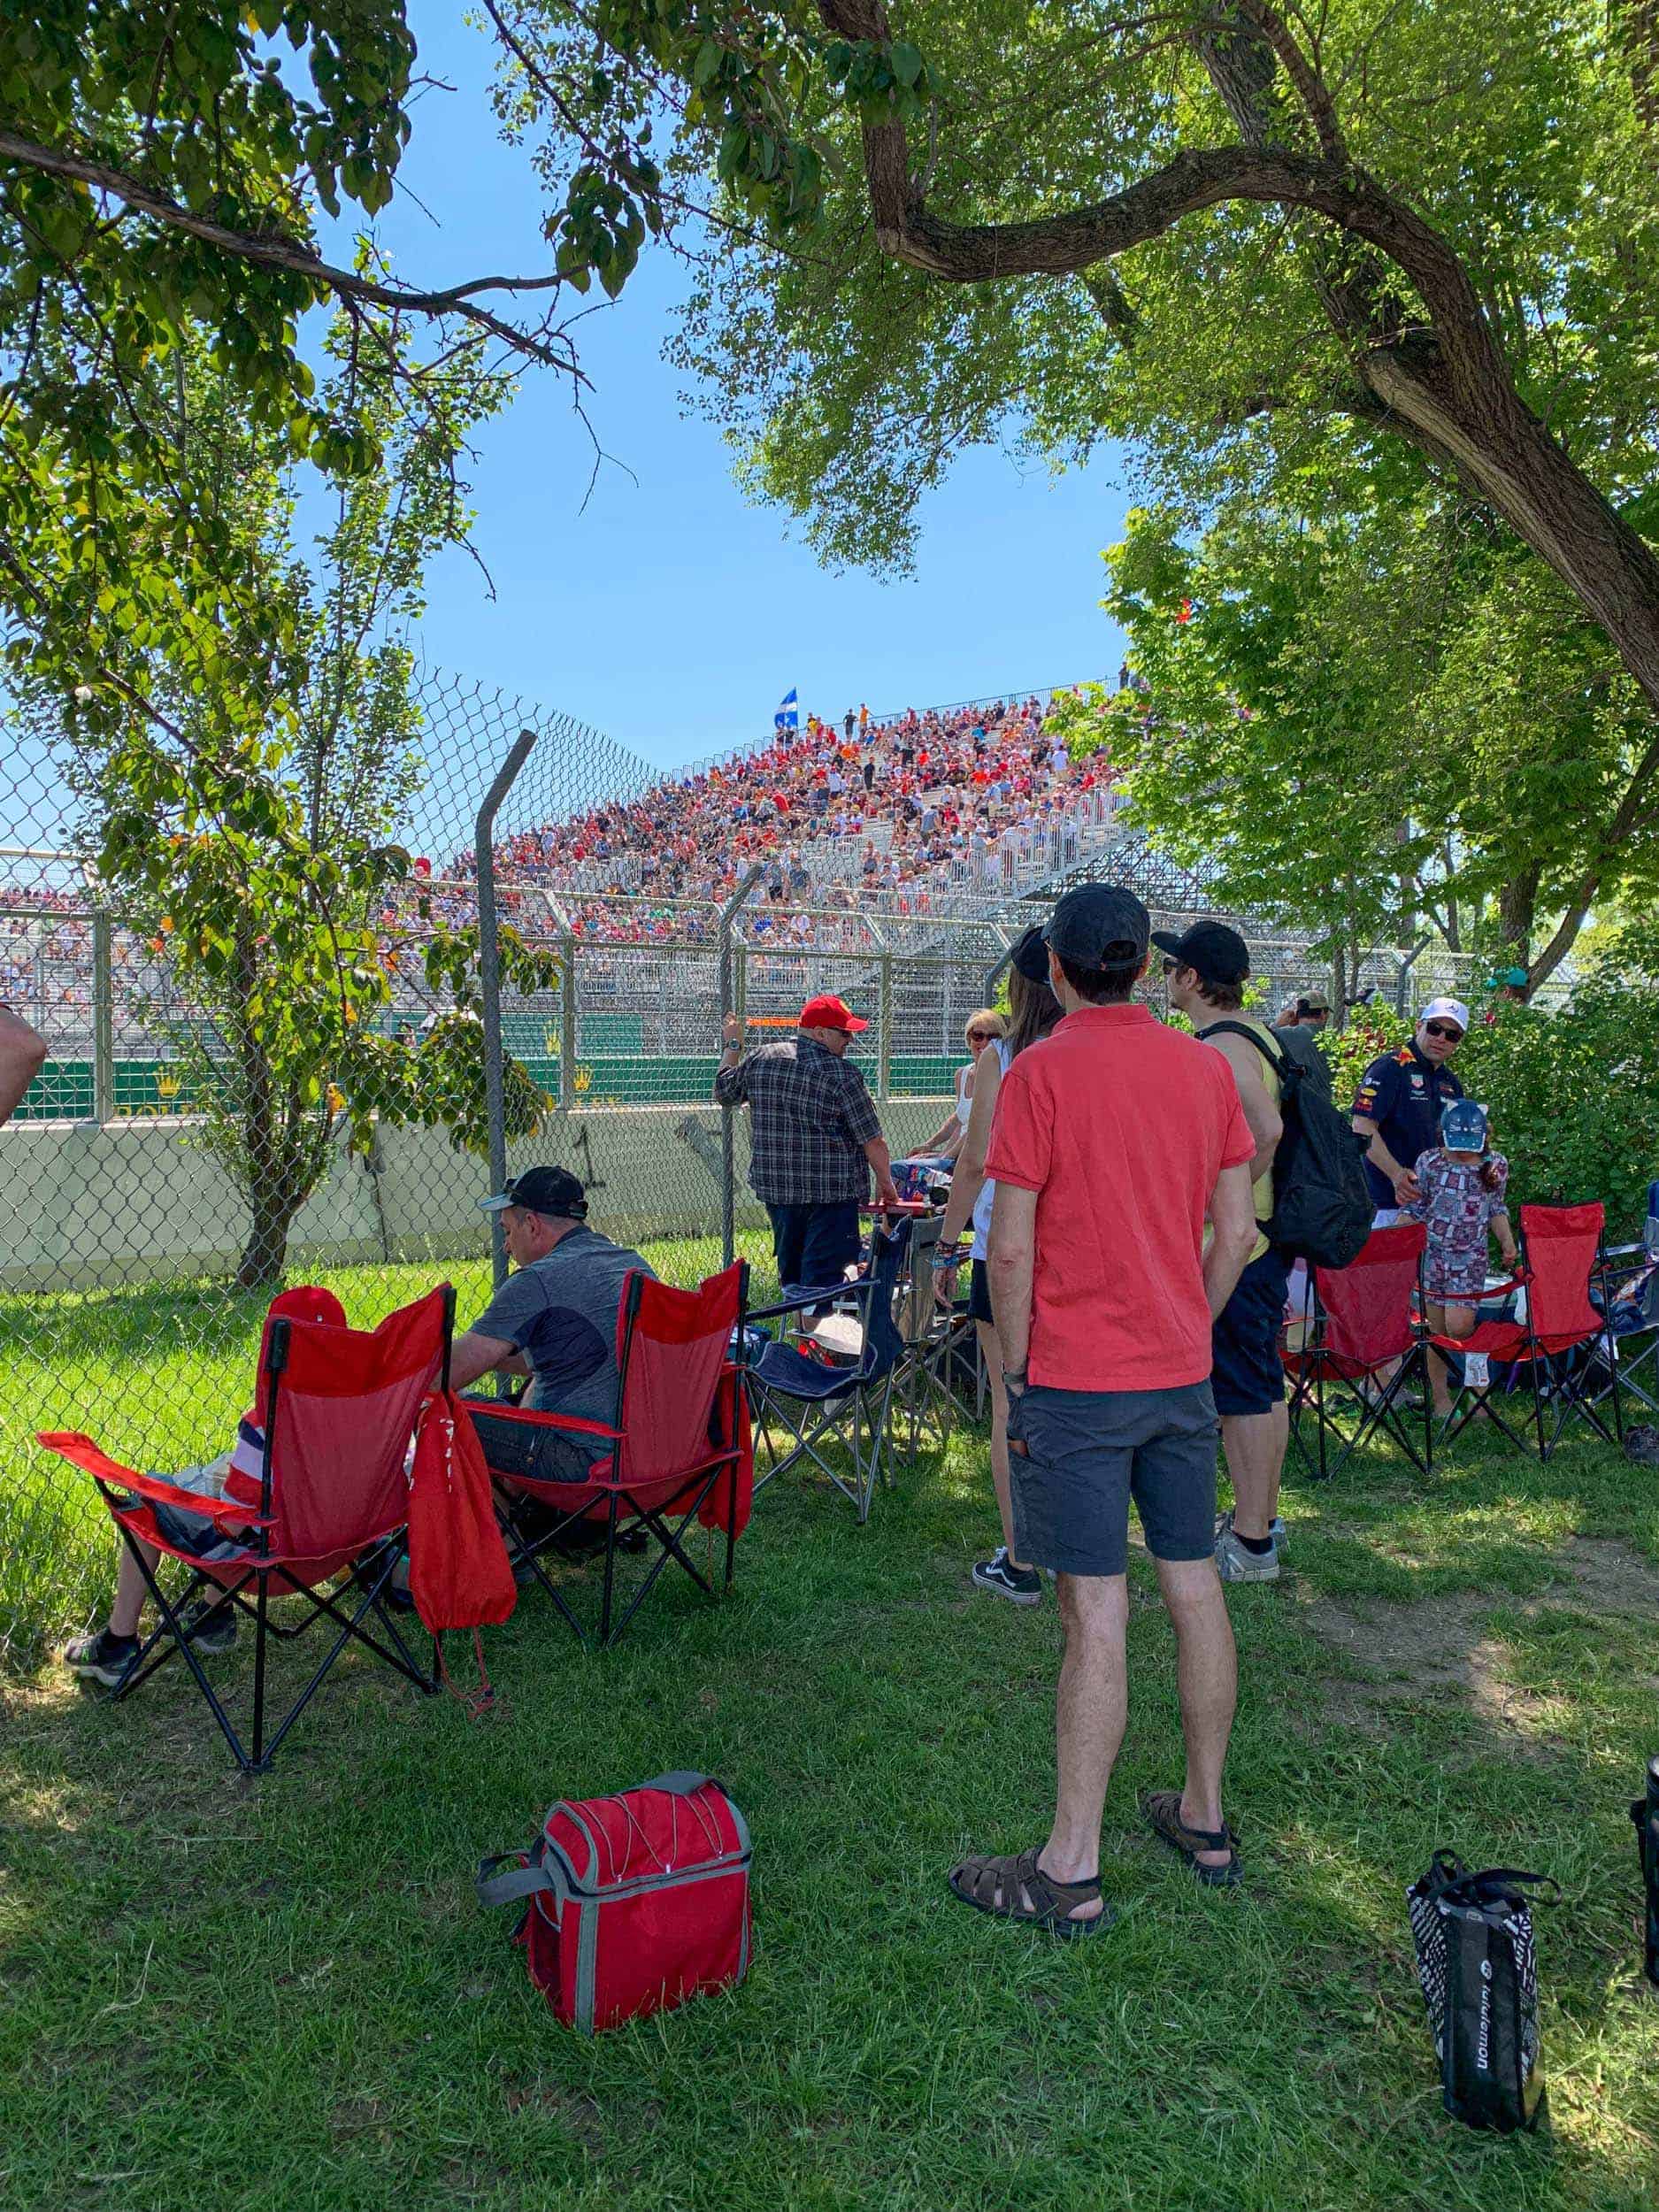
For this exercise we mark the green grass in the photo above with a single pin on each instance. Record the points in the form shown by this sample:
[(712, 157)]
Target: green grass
[(218, 1994)]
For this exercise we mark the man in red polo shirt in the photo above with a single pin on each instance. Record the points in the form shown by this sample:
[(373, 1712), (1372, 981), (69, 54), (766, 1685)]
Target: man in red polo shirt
[(1123, 1219)]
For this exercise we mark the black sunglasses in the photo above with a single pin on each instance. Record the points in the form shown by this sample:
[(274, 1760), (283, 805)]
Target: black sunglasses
[(1452, 1036), (1169, 966)]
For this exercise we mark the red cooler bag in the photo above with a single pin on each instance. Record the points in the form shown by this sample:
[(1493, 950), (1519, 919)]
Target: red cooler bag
[(634, 1903)]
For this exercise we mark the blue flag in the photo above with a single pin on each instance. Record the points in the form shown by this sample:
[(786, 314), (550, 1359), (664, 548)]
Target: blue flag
[(789, 714)]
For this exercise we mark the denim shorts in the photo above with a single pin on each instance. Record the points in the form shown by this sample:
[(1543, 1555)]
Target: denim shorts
[(1088, 1452), (1246, 1370)]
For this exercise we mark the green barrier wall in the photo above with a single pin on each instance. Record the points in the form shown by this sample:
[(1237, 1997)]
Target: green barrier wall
[(63, 1089)]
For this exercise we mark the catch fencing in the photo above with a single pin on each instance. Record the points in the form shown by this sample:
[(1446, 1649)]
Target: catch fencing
[(163, 1176)]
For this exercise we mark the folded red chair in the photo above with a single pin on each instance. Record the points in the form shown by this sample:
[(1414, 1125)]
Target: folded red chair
[(1364, 1325), (679, 1441), (1547, 1351), (339, 1408)]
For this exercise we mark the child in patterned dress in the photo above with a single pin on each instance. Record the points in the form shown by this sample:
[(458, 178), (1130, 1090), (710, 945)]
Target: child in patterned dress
[(1461, 1202)]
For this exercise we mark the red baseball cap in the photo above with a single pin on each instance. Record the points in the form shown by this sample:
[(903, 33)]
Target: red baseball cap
[(827, 1011)]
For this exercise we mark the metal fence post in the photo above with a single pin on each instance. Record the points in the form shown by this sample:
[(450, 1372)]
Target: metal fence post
[(728, 1005), (490, 985), (567, 1025), (884, 1029), (103, 1021)]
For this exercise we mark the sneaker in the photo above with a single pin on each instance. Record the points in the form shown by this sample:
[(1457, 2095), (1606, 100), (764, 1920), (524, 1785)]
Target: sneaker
[(101, 1658), (1021, 1586), (1234, 1562), (1275, 1529), (205, 1640)]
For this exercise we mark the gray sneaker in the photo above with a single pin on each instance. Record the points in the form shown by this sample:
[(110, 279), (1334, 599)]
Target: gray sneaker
[(1275, 1529), (1234, 1562)]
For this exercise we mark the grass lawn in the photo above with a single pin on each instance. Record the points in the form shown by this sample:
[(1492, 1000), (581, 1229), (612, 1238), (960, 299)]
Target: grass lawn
[(218, 1994)]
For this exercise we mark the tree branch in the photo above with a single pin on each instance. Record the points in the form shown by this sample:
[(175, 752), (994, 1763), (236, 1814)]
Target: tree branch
[(280, 250)]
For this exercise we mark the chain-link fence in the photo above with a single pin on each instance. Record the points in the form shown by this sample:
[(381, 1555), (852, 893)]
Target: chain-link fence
[(170, 1166)]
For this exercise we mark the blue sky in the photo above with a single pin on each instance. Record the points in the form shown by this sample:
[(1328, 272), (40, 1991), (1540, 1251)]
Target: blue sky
[(671, 614)]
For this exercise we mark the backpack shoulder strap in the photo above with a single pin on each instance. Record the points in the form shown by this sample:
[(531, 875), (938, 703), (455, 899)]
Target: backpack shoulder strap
[(1275, 1056)]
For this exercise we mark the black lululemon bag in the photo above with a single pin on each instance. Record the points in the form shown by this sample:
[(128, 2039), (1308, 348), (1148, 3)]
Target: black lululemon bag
[(1321, 1203), (1645, 1813), (1474, 1936)]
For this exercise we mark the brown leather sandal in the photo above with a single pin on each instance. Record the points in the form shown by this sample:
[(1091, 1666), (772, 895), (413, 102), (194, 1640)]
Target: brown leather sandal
[(1162, 1810), (1015, 1887)]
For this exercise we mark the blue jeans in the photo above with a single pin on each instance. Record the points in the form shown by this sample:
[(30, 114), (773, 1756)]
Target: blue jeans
[(814, 1245)]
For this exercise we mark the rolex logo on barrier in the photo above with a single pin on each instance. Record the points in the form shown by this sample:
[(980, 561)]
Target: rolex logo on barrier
[(167, 1086), (584, 1080), (551, 1042)]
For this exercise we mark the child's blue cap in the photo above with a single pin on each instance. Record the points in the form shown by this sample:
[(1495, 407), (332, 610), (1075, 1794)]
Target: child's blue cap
[(1464, 1127)]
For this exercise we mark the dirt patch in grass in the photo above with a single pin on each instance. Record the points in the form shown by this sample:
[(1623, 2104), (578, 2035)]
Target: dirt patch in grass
[(1439, 1645)]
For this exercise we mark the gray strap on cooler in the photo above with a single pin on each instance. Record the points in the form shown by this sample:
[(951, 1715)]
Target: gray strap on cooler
[(523, 1881), (678, 1785)]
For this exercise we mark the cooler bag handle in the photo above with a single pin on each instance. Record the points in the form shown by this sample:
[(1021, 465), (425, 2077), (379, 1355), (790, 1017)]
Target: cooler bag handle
[(683, 1784), (524, 1881)]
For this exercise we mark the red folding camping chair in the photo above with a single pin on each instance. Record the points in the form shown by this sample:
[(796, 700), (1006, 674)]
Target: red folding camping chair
[(1363, 1322), (340, 1406), (680, 1445), (1549, 1351)]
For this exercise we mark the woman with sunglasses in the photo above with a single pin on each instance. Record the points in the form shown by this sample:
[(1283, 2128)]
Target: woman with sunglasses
[(1398, 1105), (984, 1029), (1034, 1010)]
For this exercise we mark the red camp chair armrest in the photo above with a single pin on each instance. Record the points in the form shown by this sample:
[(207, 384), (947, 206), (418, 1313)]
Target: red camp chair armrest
[(572, 1423), (82, 1452)]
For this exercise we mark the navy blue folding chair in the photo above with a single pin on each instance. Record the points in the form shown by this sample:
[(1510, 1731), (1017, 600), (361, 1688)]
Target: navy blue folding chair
[(810, 1406), (1631, 1346)]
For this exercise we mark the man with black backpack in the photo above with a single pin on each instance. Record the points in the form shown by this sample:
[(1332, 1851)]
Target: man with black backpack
[(1205, 973)]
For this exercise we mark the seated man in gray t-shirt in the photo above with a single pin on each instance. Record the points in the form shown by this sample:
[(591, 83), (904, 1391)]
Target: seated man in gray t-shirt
[(554, 1317)]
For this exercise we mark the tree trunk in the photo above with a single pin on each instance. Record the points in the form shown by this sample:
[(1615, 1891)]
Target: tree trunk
[(272, 1209), (1517, 909)]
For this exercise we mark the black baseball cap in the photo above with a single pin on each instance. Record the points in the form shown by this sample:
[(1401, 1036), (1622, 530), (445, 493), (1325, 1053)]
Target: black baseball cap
[(1030, 954), (1219, 954), (553, 1191), (1099, 925)]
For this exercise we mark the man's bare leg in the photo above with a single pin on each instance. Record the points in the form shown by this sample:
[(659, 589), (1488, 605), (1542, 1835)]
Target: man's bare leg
[(1254, 1445), (991, 1351), (1207, 1671), (1090, 1711)]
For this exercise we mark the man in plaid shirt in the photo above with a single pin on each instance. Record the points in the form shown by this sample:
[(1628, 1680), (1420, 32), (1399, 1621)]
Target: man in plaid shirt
[(814, 1138)]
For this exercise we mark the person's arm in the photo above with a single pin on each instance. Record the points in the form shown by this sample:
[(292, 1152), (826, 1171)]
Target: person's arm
[(1498, 1212), (881, 1167), (1233, 1233), (730, 1087), (1408, 1190), (1010, 1263), (1260, 1112), (472, 1355), (22, 1056), (969, 1179)]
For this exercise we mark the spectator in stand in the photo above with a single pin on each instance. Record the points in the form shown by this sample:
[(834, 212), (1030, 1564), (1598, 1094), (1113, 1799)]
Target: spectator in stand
[(1400, 1098), (815, 1139), (22, 1056), (1034, 1011), (1205, 971), (982, 1029), (1114, 1140)]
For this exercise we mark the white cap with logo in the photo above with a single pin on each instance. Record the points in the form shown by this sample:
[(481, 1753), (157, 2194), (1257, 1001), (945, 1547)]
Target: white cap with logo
[(1451, 1010)]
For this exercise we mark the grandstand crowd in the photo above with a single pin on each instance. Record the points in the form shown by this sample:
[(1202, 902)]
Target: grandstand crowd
[(907, 810), (959, 798)]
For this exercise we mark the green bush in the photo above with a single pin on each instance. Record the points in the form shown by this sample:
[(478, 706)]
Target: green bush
[(1574, 1098)]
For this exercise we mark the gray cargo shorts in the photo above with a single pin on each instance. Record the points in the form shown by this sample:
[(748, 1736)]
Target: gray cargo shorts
[(1087, 1452)]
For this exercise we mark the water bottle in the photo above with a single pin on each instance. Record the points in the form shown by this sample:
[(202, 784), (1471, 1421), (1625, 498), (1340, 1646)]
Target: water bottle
[(1645, 1813)]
